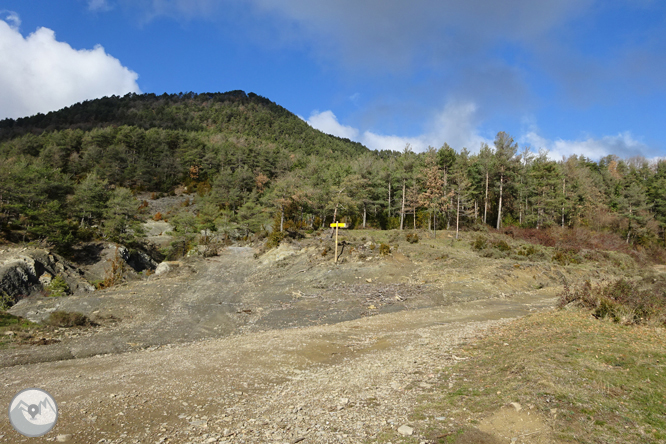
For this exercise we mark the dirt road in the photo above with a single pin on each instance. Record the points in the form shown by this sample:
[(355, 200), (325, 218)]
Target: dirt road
[(355, 381), (283, 347)]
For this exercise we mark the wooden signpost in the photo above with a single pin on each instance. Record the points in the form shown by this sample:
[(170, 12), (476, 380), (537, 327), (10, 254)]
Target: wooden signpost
[(337, 225)]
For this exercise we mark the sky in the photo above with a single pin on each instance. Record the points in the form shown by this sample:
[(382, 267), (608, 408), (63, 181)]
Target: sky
[(584, 77)]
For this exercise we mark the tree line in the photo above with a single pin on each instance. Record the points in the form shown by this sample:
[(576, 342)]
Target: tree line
[(255, 167)]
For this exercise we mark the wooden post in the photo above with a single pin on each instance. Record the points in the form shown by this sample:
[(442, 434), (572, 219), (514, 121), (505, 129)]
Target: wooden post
[(337, 225), (336, 243)]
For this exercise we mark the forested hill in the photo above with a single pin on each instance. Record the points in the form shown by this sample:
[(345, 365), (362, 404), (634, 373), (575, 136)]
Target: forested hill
[(252, 167), (62, 170), (230, 112)]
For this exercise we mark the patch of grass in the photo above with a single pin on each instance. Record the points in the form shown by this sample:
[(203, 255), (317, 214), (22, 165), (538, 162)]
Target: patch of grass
[(384, 249), (9, 321), (593, 381), (14, 324)]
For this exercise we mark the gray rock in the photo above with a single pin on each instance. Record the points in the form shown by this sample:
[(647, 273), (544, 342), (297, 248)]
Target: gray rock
[(405, 430), (64, 438), (162, 268)]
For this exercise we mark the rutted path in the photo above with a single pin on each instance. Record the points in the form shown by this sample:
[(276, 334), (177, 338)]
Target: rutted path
[(349, 382)]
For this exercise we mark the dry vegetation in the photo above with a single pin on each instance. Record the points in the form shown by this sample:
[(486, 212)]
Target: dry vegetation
[(592, 381)]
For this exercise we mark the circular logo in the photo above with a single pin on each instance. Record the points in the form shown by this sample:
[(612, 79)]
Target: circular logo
[(33, 412)]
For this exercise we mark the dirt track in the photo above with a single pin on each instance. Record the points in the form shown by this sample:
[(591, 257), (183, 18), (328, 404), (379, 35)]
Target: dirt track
[(354, 381), (274, 349)]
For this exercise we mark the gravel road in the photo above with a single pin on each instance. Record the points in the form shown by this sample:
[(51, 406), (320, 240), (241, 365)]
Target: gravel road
[(349, 382)]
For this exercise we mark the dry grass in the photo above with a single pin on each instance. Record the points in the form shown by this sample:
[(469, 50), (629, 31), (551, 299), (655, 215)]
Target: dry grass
[(593, 381)]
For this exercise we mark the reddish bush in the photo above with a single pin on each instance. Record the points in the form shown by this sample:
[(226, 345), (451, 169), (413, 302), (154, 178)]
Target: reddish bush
[(574, 239)]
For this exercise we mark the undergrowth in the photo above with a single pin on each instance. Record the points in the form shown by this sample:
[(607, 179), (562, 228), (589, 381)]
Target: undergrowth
[(628, 302)]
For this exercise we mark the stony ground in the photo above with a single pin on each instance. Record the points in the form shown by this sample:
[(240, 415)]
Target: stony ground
[(279, 346), (356, 381)]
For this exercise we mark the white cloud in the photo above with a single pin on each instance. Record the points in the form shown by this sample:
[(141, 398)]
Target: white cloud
[(393, 143), (328, 123), (99, 5), (623, 145), (456, 125), (40, 74), (12, 18)]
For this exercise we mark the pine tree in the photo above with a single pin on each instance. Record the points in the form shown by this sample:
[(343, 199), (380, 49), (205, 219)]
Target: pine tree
[(505, 150)]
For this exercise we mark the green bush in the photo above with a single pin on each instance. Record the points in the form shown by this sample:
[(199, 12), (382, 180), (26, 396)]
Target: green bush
[(502, 246), (6, 301), (384, 249), (526, 250), (479, 243), (566, 257), (274, 239), (58, 287), (622, 301)]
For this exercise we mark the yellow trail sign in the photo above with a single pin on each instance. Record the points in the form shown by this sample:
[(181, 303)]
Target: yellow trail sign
[(337, 225)]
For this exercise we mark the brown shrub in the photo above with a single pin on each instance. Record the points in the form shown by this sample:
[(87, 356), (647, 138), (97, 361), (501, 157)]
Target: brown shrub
[(68, 319)]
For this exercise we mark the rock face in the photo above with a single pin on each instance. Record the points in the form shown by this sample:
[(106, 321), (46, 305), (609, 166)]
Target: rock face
[(27, 271), (96, 260)]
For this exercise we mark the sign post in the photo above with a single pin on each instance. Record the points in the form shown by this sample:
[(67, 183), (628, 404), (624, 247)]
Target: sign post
[(337, 225)]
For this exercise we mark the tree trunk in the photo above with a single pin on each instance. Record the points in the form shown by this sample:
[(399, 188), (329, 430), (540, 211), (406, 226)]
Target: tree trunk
[(434, 224), (485, 205), (389, 200), (281, 218), (402, 210), (499, 210), (364, 213), (458, 216), (564, 196), (335, 215), (414, 217)]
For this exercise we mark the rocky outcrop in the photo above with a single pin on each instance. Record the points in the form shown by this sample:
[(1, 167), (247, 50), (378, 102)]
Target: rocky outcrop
[(27, 271), (96, 260)]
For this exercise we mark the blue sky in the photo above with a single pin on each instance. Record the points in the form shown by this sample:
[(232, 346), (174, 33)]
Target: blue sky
[(573, 76)]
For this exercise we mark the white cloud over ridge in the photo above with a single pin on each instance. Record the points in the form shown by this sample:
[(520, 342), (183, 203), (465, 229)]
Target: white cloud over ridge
[(457, 125), (623, 145), (40, 74)]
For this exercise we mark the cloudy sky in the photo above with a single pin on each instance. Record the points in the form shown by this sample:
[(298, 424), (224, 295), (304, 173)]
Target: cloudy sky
[(571, 76)]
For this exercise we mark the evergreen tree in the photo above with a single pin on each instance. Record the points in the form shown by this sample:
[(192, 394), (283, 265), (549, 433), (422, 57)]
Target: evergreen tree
[(505, 162)]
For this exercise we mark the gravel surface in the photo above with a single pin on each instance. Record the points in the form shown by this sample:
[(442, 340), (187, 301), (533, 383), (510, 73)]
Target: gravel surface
[(355, 381)]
